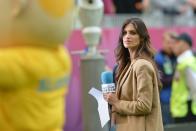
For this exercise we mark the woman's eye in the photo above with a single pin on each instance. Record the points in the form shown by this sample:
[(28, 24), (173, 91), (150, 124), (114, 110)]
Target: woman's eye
[(133, 32), (129, 32), (124, 32)]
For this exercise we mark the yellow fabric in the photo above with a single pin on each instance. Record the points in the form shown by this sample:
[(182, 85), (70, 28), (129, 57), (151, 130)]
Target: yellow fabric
[(180, 92), (33, 84), (56, 8)]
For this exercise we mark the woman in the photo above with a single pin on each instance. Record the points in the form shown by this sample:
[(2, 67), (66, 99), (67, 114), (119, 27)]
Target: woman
[(136, 104)]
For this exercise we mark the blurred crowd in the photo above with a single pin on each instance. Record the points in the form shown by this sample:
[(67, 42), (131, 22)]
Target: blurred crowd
[(155, 13), (168, 7), (176, 62)]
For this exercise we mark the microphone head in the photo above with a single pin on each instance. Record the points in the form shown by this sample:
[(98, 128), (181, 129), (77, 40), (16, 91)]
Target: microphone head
[(107, 77)]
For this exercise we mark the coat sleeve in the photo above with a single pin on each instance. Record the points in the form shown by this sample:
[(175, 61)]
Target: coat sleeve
[(143, 104)]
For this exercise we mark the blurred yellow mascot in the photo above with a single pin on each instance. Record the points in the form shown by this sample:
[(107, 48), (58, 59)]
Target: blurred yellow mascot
[(34, 65)]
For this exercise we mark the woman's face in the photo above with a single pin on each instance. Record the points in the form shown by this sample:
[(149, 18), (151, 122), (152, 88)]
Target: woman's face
[(131, 39)]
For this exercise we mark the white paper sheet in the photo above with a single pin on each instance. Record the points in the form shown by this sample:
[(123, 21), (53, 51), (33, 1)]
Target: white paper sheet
[(102, 106)]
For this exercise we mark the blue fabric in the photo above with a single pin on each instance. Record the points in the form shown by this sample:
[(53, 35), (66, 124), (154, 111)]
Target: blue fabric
[(166, 64), (114, 72), (165, 95), (167, 117), (113, 128)]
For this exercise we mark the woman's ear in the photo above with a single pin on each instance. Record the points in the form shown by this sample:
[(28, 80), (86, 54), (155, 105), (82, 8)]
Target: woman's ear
[(18, 6)]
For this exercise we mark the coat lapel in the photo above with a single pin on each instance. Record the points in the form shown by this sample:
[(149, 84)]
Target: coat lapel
[(123, 77)]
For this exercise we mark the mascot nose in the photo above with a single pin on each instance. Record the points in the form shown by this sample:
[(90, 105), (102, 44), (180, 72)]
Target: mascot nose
[(56, 8)]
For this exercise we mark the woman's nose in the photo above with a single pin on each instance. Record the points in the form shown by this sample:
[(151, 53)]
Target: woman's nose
[(128, 36)]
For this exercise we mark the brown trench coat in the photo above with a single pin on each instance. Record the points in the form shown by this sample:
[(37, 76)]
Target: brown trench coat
[(139, 106)]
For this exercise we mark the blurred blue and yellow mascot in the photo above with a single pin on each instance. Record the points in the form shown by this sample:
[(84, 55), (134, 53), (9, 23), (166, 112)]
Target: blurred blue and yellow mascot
[(34, 65)]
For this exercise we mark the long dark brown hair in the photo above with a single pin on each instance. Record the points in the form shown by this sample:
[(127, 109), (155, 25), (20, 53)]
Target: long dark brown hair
[(122, 54)]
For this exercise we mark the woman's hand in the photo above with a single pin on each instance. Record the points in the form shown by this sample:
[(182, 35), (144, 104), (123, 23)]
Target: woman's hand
[(111, 98)]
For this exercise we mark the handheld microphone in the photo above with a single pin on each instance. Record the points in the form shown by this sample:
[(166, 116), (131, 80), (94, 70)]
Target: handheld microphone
[(108, 84)]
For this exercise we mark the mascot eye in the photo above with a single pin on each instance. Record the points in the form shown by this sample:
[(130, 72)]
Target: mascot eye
[(56, 8)]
